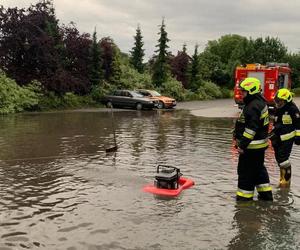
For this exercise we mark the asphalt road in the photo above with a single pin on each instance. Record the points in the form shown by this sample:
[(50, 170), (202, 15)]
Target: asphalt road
[(215, 108)]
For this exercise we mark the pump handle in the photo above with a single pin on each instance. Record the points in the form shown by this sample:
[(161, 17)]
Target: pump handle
[(167, 166)]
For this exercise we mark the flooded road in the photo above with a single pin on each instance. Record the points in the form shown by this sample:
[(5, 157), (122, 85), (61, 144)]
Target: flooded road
[(60, 190), (216, 108)]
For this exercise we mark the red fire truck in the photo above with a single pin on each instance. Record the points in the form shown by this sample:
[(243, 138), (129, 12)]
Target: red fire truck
[(272, 76)]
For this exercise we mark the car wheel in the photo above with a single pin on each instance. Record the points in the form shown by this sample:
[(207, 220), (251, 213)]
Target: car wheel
[(139, 106), (160, 105), (109, 104)]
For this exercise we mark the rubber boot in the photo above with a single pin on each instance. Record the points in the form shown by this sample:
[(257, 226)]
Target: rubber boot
[(265, 196), (285, 177), (240, 198)]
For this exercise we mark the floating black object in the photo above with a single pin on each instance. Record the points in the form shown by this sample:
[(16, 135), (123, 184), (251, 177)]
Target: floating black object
[(115, 147), (167, 177)]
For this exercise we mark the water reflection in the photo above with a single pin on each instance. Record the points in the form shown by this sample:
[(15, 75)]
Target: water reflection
[(264, 225)]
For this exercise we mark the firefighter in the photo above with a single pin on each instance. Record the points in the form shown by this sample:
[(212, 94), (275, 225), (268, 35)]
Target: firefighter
[(285, 132), (251, 134)]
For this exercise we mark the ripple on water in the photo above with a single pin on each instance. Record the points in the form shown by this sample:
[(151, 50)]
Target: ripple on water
[(70, 194)]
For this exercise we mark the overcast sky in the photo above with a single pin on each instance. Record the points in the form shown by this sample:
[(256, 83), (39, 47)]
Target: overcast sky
[(187, 21)]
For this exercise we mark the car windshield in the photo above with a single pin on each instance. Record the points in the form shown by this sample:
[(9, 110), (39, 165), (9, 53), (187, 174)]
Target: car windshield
[(135, 94), (154, 93)]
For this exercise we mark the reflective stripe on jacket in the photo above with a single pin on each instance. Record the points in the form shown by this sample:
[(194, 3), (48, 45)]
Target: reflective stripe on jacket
[(287, 122), (251, 128)]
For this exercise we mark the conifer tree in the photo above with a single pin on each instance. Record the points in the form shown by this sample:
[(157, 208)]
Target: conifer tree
[(95, 69), (195, 79), (137, 52), (161, 67)]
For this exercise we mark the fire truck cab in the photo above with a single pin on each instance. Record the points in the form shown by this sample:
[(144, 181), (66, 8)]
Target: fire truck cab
[(273, 76)]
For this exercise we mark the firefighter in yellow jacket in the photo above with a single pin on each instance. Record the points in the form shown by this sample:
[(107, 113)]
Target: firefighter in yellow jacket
[(251, 134), (285, 132)]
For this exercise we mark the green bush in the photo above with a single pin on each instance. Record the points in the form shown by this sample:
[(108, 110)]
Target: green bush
[(79, 101), (71, 100), (14, 98), (296, 91), (190, 96), (208, 91), (98, 91), (227, 93), (51, 101), (173, 88), (132, 79), (212, 90), (203, 94)]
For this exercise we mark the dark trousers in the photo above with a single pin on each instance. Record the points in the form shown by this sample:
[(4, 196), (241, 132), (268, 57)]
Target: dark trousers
[(252, 172), (283, 150)]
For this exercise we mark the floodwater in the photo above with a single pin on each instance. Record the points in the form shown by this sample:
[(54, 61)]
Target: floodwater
[(60, 190)]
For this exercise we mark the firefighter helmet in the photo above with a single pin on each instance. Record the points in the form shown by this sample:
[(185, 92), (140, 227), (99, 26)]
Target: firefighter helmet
[(251, 85), (284, 94)]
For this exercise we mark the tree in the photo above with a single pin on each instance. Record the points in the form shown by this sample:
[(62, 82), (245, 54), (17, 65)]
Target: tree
[(137, 52), (223, 55), (44, 48), (195, 79), (116, 67), (269, 50), (179, 66), (161, 67), (209, 63), (28, 42), (225, 46), (111, 60), (34, 46), (294, 61), (106, 45), (76, 61), (95, 67)]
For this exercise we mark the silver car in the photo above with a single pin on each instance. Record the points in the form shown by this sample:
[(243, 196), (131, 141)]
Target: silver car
[(129, 99)]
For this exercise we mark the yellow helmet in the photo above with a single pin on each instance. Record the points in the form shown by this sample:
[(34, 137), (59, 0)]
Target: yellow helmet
[(251, 85), (284, 94)]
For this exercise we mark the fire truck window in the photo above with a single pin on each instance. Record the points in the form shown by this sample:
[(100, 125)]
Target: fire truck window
[(281, 81), (286, 80)]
